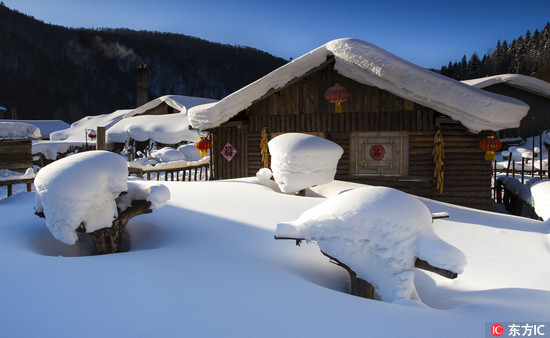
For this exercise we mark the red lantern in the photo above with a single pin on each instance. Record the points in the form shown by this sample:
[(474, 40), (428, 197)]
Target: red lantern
[(490, 144), (91, 134), (203, 145), (337, 95)]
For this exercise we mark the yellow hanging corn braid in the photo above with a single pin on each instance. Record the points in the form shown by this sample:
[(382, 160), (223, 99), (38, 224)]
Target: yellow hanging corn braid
[(439, 154), (264, 148)]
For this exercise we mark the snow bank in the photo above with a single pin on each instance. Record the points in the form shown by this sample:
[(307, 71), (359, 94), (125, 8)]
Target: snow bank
[(80, 189), (368, 64), (299, 161), (168, 154), (189, 151), (18, 130), (378, 232), (540, 198)]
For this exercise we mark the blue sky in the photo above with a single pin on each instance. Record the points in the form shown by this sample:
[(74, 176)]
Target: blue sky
[(427, 33)]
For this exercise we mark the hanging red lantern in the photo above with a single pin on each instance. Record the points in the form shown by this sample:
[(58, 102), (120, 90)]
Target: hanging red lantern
[(203, 145), (92, 134), (337, 95), (490, 144)]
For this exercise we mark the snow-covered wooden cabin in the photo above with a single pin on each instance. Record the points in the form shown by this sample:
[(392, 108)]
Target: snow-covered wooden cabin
[(386, 128), (533, 91), (16, 145), (162, 120)]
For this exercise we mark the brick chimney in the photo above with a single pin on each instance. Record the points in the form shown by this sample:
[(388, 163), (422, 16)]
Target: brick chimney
[(141, 82)]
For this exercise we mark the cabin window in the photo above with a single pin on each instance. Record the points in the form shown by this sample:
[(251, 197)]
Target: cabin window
[(379, 153)]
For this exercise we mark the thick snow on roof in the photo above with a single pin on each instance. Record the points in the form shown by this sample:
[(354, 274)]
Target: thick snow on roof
[(362, 229), (77, 131), (18, 130), (178, 102), (523, 81), (368, 64), (168, 129), (46, 126), (301, 161)]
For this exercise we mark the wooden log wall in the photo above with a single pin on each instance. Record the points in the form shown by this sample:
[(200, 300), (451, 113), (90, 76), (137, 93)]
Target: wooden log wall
[(16, 155), (301, 107)]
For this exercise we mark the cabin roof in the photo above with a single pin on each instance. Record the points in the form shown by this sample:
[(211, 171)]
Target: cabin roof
[(524, 82), (178, 102), (368, 64)]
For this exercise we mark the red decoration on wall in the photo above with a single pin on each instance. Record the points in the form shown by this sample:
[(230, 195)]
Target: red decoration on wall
[(377, 152), (490, 144), (337, 95)]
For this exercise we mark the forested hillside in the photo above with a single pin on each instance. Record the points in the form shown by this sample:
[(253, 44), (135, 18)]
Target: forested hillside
[(528, 55), (53, 72)]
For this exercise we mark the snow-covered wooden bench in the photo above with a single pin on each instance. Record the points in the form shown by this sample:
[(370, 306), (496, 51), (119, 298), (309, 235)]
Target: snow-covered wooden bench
[(11, 182)]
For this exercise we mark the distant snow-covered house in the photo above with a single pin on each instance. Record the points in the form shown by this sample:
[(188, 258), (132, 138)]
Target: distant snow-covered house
[(387, 126), (16, 144), (46, 126), (534, 92), (163, 120)]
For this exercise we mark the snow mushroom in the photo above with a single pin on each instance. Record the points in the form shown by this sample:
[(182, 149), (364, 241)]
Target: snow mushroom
[(300, 161), (80, 189), (378, 232)]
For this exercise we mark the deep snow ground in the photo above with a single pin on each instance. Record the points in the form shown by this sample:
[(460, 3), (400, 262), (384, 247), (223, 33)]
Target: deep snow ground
[(207, 265)]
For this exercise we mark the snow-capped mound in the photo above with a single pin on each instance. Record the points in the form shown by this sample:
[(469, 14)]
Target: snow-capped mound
[(540, 198), (168, 154), (299, 161), (378, 232), (18, 130), (80, 189)]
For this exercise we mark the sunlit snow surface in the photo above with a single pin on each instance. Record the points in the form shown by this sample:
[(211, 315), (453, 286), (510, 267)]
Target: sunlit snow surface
[(207, 265)]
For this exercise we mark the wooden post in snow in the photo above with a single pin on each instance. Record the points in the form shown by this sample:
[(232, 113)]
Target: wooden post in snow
[(100, 143)]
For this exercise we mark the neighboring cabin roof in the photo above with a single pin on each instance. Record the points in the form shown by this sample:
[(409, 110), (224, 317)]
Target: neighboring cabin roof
[(525, 82), (18, 130), (178, 102), (46, 126), (368, 64)]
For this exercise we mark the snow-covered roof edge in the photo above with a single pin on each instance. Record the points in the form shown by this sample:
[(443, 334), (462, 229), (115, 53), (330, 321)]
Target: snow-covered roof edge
[(523, 81), (178, 102), (368, 64)]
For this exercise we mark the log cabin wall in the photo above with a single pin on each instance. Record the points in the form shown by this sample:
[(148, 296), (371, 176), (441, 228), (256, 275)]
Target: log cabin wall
[(16, 155), (301, 107)]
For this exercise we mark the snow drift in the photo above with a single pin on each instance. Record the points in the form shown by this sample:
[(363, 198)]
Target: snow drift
[(362, 229)]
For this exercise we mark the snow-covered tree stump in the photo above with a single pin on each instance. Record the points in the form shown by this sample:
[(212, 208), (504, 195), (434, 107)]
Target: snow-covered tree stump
[(109, 240), (91, 193)]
